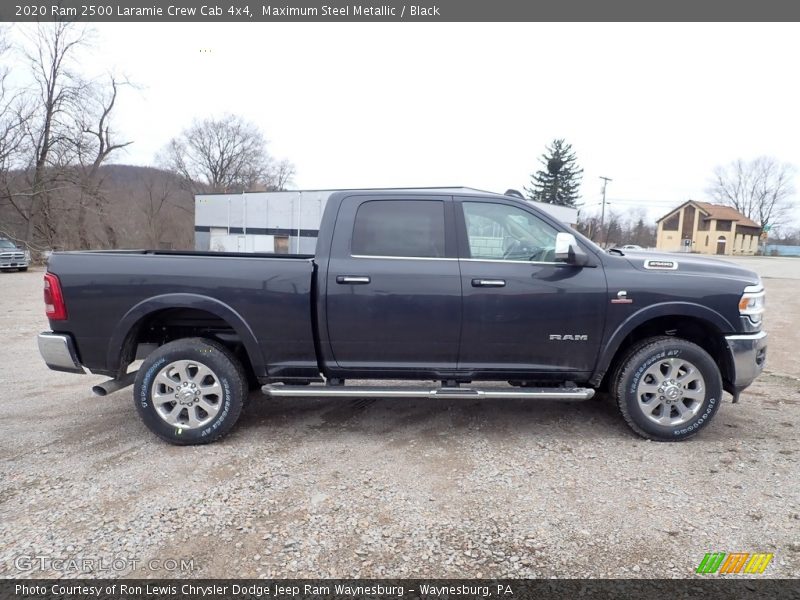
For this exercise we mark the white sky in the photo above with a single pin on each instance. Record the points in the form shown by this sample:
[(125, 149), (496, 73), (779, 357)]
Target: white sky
[(653, 106)]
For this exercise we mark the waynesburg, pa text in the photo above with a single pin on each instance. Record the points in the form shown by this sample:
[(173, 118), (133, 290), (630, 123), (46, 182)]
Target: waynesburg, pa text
[(274, 590)]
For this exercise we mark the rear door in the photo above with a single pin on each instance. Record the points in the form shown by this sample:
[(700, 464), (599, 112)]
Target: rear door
[(393, 285), (523, 312)]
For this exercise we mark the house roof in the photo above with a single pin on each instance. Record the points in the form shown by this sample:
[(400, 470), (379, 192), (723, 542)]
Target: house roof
[(716, 211)]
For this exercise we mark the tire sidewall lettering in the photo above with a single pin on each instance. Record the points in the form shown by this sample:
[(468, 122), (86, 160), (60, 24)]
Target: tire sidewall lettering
[(144, 390), (223, 413)]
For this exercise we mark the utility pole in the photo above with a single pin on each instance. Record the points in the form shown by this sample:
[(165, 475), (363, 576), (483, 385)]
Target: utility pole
[(603, 209)]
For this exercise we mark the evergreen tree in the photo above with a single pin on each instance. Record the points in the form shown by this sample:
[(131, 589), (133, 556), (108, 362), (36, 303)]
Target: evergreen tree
[(560, 181)]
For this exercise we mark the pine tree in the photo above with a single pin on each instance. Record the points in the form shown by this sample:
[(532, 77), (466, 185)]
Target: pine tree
[(560, 181)]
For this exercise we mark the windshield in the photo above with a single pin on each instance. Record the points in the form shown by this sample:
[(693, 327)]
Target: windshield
[(7, 244)]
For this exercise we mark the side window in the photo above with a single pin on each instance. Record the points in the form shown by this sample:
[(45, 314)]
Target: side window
[(413, 228), (503, 232)]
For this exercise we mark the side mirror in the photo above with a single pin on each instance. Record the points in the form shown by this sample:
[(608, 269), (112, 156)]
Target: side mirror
[(568, 250)]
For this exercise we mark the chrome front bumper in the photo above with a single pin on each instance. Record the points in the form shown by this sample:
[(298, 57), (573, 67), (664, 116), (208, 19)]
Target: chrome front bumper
[(58, 352), (749, 353)]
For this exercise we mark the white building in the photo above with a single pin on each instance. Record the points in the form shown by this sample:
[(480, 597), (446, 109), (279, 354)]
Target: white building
[(282, 222)]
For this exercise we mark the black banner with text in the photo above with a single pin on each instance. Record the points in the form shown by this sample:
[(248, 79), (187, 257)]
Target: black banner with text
[(399, 589), (397, 11)]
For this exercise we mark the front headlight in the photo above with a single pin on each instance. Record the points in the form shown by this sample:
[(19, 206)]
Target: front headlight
[(751, 304)]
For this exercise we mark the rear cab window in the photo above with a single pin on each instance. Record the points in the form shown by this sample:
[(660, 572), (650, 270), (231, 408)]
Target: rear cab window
[(399, 228)]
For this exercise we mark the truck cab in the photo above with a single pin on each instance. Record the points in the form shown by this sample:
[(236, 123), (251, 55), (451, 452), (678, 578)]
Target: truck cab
[(483, 293)]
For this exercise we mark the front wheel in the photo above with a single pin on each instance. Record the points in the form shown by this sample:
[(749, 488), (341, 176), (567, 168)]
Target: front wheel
[(190, 391), (668, 389)]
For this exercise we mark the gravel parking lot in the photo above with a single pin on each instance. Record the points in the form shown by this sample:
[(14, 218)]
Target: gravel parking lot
[(392, 488)]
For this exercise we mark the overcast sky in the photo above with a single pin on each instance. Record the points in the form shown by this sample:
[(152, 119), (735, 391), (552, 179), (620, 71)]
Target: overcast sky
[(653, 106)]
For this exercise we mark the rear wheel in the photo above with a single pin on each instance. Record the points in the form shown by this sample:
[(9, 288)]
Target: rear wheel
[(190, 391), (668, 389)]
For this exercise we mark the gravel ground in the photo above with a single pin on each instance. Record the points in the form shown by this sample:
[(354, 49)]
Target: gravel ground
[(390, 488)]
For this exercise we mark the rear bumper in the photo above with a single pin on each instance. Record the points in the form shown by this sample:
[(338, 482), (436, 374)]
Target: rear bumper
[(58, 352), (748, 353)]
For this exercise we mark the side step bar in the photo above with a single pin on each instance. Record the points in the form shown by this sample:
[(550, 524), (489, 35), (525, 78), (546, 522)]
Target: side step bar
[(310, 391)]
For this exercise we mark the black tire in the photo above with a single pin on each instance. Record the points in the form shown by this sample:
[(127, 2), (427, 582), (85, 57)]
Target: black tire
[(642, 408), (224, 370)]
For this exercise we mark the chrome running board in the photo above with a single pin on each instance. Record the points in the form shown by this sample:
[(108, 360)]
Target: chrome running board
[(311, 391)]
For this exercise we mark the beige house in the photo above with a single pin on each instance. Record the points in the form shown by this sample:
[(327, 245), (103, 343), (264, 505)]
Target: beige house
[(707, 229)]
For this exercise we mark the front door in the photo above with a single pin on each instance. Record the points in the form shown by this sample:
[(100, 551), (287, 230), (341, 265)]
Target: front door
[(393, 286), (524, 312)]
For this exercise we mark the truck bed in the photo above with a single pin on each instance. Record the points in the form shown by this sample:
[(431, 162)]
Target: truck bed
[(266, 298)]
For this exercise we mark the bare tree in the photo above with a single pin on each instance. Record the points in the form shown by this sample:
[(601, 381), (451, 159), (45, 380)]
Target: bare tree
[(760, 189), (57, 98), (228, 154), (280, 174), (94, 143), (617, 229), (160, 193), (14, 112)]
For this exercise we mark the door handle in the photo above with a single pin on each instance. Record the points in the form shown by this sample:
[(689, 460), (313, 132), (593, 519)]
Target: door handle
[(353, 279), (488, 283)]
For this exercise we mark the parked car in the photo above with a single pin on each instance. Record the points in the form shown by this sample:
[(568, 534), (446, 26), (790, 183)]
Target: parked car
[(12, 256), (451, 285), (631, 247)]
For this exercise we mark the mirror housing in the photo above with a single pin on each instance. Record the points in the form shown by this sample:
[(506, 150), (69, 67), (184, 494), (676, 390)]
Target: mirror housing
[(567, 250)]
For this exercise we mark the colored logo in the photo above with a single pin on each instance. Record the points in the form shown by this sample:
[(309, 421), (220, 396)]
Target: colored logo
[(736, 562)]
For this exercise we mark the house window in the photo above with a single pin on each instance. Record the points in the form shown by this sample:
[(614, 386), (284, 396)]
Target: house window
[(671, 223), (723, 225), (703, 224), (706, 241)]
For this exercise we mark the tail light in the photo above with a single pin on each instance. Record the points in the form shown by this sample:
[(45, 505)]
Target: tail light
[(54, 306)]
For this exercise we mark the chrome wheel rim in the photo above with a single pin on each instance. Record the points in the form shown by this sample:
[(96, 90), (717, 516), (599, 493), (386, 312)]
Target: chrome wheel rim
[(186, 394), (671, 392)]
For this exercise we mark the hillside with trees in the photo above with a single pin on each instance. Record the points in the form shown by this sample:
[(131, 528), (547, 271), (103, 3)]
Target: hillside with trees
[(59, 186)]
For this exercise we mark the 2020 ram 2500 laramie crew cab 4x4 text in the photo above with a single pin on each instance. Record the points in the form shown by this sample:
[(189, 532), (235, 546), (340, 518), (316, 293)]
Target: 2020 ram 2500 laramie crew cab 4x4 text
[(448, 285)]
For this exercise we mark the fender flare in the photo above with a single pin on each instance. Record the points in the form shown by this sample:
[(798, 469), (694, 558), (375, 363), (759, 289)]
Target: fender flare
[(665, 309), (211, 305)]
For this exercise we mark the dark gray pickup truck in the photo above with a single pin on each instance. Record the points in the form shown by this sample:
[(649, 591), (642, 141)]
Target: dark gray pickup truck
[(452, 286)]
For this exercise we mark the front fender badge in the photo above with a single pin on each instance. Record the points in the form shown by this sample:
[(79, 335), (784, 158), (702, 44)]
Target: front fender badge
[(622, 298)]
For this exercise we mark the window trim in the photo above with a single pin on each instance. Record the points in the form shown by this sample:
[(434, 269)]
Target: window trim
[(380, 257)]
